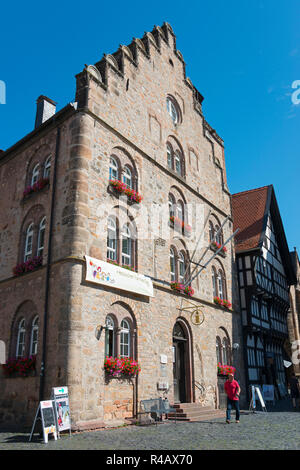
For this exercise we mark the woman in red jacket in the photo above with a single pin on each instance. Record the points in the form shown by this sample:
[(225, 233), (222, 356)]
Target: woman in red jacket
[(233, 391)]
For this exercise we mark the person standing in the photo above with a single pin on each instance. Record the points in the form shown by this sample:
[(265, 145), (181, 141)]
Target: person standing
[(295, 390), (233, 391)]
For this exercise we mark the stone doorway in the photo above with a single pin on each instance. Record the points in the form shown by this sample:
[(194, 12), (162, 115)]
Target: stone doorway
[(181, 364)]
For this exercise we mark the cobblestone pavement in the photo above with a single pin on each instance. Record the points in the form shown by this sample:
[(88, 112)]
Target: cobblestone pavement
[(258, 431)]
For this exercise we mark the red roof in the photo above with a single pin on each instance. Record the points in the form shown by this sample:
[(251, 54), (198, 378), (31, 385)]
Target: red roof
[(248, 210)]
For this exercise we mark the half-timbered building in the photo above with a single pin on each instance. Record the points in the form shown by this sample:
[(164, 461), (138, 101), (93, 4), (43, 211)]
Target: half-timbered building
[(265, 273)]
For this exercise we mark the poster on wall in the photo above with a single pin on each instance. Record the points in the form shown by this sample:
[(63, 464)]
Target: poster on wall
[(60, 397), (101, 272)]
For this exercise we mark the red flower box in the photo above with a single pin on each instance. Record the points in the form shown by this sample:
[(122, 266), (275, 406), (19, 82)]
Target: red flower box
[(216, 246), (40, 184), (121, 367), (184, 290), (122, 188), (22, 366), (180, 225), (222, 303), (28, 266), (225, 370)]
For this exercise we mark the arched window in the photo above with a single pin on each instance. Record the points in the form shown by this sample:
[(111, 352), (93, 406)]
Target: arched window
[(35, 174), (41, 237), (126, 246), (127, 177), (109, 336), (28, 243), (113, 169), (221, 285), (170, 156), (112, 239), (225, 351), (47, 168), (211, 231), (172, 265), (180, 210), (172, 205), (219, 238), (182, 267), (178, 163), (34, 336), (214, 282), (173, 110), (219, 350), (125, 339), (20, 351)]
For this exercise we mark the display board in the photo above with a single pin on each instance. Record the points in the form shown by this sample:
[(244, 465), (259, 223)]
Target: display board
[(255, 390), (45, 413), (268, 392), (60, 397)]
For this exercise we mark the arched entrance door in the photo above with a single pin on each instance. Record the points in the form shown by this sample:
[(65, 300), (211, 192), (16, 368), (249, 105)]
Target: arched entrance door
[(181, 366)]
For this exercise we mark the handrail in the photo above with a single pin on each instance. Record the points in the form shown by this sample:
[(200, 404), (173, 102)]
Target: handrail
[(200, 386)]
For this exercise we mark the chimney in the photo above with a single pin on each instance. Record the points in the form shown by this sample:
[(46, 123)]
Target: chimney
[(45, 109)]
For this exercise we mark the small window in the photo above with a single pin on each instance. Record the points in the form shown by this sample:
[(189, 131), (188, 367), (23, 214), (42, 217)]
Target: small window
[(28, 243), (126, 246), (173, 110), (113, 169), (178, 163), (35, 174), (170, 157), (20, 351), (109, 336), (47, 168), (127, 177), (220, 285), (172, 204), (182, 267), (214, 282), (41, 237), (172, 265), (112, 239), (34, 336), (125, 339)]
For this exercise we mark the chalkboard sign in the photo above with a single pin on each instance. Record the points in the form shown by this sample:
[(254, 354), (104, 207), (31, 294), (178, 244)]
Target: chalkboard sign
[(45, 413)]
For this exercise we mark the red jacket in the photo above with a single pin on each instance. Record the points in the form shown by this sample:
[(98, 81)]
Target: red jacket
[(231, 388)]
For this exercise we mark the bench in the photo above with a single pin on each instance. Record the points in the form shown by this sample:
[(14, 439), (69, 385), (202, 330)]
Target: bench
[(157, 406)]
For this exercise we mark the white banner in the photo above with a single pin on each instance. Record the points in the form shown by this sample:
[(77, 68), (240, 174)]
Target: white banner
[(111, 275)]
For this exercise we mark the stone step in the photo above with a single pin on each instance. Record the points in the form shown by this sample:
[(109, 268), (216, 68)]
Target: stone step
[(198, 417), (183, 407)]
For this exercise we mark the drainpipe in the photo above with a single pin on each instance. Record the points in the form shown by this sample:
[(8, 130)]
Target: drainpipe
[(46, 308)]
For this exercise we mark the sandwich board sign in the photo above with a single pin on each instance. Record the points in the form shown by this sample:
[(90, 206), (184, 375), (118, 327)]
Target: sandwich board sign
[(256, 390), (60, 397), (45, 413)]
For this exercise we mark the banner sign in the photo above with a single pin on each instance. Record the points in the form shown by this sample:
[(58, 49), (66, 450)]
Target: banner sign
[(60, 398), (111, 275)]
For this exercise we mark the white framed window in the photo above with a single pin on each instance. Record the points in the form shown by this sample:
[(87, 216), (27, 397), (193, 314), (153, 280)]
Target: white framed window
[(220, 285), (109, 336), (20, 350), (47, 168), (112, 239), (172, 110), (41, 237), (178, 160), (28, 243), (211, 231), (214, 282), (113, 169), (172, 265), (34, 336), (171, 203), (170, 156), (182, 267), (126, 246), (35, 174), (125, 339), (180, 211), (218, 235), (127, 177)]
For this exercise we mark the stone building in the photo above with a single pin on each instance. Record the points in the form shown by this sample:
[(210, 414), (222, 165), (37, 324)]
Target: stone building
[(89, 265), (265, 274), (293, 318)]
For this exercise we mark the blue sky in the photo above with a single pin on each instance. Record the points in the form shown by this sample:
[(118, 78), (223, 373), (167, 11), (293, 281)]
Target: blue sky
[(243, 56)]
